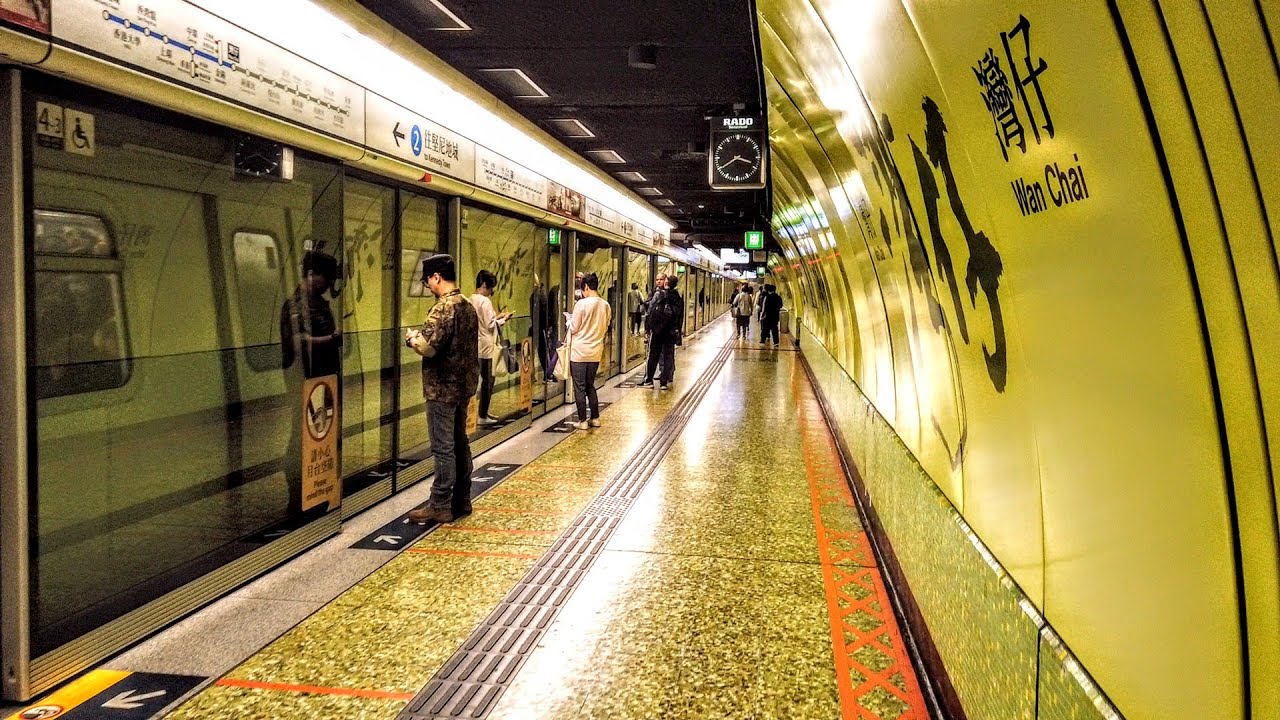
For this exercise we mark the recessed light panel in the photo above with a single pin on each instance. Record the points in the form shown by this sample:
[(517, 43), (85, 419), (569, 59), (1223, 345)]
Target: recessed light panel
[(569, 127), (650, 191), (664, 202), (515, 82), (438, 17), (631, 176), (608, 157)]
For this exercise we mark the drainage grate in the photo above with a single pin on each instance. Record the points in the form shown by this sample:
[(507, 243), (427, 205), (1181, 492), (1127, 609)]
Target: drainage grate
[(470, 683)]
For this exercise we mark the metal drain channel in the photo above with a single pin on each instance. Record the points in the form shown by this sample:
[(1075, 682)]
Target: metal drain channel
[(470, 683)]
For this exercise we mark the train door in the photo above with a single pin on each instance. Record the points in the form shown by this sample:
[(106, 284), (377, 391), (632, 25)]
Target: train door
[(546, 305)]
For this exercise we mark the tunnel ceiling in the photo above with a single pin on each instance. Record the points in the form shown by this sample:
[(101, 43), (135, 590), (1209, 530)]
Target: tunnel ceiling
[(656, 120)]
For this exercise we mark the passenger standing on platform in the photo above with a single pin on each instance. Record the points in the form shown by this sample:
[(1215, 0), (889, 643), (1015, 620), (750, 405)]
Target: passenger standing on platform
[(310, 347), (770, 314), (635, 302), (656, 322), (450, 370), (490, 323), (590, 322), (742, 307)]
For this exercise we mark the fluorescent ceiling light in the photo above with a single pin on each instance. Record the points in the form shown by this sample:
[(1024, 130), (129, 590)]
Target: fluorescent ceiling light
[(569, 127), (434, 9), (664, 202), (311, 31), (648, 191), (514, 81), (609, 157), (631, 176)]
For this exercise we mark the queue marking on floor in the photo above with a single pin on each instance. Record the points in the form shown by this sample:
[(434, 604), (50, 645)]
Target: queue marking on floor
[(71, 695), (852, 591)]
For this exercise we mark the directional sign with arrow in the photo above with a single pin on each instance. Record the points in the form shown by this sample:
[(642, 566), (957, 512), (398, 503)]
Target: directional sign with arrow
[(136, 696), (396, 134)]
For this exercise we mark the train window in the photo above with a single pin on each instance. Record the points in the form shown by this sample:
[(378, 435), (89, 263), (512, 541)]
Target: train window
[(259, 277), (81, 344)]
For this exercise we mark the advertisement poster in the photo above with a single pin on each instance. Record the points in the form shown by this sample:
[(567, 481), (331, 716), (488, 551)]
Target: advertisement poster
[(27, 13), (563, 201), (526, 373), (320, 482)]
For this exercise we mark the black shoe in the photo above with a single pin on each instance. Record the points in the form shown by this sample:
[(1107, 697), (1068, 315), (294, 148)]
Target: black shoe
[(646, 383), (461, 512)]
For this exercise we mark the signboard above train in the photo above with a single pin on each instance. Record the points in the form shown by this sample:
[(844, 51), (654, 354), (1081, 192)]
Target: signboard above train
[(182, 43)]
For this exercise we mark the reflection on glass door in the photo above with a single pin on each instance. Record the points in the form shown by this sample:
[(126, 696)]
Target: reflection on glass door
[(545, 306), (370, 335), (502, 247), (639, 288), (421, 226)]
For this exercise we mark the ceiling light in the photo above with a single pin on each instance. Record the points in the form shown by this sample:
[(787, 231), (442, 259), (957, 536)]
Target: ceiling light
[(664, 202), (609, 157), (650, 191), (570, 127), (643, 57), (440, 16), (515, 82), (632, 176), (702, 207)]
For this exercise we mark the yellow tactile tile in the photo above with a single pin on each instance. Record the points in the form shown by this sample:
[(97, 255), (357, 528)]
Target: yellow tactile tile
[(221, 703)]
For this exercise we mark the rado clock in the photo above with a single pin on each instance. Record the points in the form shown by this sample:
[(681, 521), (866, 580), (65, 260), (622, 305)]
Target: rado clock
[(738, 153), (258, 158)]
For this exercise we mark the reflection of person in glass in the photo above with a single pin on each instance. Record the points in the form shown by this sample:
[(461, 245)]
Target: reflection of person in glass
[(310, 346), (490, 323), (540, 323)]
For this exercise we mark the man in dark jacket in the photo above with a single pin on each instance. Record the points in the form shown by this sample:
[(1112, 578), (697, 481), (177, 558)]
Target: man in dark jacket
[(666, 313), (448, 343), (770, 314)]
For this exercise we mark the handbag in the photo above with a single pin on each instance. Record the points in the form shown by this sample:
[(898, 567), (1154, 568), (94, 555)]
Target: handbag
[(561, 371), (502, 361)]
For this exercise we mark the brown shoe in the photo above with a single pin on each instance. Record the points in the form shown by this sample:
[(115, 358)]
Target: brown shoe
[(459, 513), (424, 515)]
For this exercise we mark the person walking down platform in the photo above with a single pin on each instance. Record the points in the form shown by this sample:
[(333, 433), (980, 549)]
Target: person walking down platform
[(490, 322), (450, 371), (587, 326), (770, 314), (742, 307)]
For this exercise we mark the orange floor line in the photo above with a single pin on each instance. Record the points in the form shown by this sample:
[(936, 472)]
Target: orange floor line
[(470, 553), (509, 531), (546, 493), (315, 690), (821, 466), (518, 511)]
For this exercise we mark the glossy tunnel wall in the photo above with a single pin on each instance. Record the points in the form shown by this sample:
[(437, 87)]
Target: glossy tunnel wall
[(1033, 250)]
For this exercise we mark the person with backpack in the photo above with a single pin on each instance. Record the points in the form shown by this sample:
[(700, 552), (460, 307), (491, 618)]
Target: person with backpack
[(665, 315), (742, 307), (770, 314)]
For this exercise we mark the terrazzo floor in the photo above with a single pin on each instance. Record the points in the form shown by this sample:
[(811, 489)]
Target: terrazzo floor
[(738, 585)]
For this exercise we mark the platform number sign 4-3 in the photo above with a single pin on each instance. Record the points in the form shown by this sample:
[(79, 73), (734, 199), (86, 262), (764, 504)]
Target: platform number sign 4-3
[(59, 128)]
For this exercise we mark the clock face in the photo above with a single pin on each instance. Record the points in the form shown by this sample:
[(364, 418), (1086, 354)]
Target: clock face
[(256, 158), (737, 157)]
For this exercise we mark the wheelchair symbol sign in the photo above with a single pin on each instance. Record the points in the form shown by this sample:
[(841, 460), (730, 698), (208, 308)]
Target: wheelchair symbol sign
[(79, 133), (415, 140)]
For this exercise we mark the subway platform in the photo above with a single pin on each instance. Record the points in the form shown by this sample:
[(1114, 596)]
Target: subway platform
[(697, 556)]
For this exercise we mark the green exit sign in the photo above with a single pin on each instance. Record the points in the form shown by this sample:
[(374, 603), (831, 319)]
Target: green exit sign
[(553, 236), (754, 239)]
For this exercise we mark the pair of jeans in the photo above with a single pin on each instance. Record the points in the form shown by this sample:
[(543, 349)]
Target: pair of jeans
[(486, 385), (661, 352), (584, 389), (447, 426), (769, 328)]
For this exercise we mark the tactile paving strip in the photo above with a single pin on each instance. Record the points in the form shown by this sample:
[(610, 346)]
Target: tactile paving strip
[(471, 682)]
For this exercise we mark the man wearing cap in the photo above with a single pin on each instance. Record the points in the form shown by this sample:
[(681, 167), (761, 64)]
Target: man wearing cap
[(447, 342)]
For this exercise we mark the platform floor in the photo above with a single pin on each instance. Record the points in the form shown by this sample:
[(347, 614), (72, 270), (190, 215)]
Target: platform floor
[(698, 556)]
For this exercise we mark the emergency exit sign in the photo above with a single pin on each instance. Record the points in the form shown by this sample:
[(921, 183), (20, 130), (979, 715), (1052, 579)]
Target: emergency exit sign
[(553, 236), (754, 239)]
